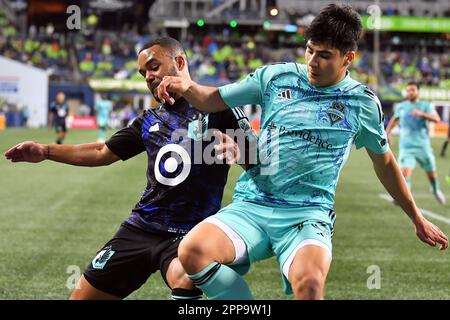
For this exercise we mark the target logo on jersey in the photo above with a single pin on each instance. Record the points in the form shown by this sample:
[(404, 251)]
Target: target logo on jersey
[(172, 165)]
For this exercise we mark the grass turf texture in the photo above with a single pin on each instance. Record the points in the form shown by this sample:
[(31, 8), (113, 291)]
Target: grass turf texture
[(54, 216)]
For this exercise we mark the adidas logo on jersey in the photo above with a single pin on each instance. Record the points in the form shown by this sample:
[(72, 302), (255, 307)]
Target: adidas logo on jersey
[(286, 94)]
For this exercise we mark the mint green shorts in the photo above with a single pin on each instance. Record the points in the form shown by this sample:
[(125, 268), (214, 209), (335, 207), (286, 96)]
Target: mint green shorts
[(407, 158), (274, 231)]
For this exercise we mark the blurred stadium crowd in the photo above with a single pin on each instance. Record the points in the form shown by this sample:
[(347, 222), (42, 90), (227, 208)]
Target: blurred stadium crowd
[(213, 58), (216, 57)]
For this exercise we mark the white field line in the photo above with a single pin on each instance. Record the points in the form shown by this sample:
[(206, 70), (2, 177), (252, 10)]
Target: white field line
[(424, 211)]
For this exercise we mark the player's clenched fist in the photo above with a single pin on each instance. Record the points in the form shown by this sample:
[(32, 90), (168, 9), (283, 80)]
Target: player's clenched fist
[(171, 86)]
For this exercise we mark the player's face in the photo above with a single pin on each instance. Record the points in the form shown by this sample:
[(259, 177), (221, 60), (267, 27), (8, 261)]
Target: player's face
[(154, 64), (326, 65), (60, 97), (412, 92)]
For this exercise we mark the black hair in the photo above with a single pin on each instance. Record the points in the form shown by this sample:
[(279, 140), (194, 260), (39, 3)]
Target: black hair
[(338, 26), (171, 45), (413, 83)]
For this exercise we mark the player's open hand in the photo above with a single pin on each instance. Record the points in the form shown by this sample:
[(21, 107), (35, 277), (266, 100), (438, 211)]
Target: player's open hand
[(227, 148), (28, 151), (429, 233), (174, 85)]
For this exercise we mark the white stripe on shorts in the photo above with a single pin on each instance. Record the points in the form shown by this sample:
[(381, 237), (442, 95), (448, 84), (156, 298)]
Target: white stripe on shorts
[(306, 242), (239, 244)]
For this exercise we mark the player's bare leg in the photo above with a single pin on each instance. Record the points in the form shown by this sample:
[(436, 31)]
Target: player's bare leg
[(178, 280), (204, 244), (204, 253), (407, 172), (440, 197), (85, 291), (308, 272)]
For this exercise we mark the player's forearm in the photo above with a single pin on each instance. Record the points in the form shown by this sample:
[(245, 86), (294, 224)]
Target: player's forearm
[(87, 154), (391, 125), (205, 98), (431, 117), (390, 175)]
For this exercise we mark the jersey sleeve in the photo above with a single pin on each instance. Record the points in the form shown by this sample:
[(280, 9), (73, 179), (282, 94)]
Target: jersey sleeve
[(372, 134), (237, 120), (127, 142), (247, 91)]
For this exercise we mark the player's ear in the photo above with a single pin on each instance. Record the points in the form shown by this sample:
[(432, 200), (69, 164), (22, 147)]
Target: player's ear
[(181, 62), (348, 58)]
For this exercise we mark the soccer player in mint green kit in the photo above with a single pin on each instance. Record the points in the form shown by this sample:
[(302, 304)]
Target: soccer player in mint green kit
[(103, 108), (311, 116), (413, 115)]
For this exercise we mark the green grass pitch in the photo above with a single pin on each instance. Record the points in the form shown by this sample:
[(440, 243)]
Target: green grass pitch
[(54, 218)]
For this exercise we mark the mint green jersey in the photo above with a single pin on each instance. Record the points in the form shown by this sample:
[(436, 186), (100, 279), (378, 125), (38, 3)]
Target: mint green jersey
[(413, 130), (306, 134)]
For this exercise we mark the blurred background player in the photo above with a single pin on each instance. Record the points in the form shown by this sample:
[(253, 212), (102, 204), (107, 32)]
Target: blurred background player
[(59, 110), (103, 109), (413, 116), (445, 144)]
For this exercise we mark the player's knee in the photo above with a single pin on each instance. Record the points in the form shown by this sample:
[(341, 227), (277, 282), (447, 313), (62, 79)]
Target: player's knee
[(191, 254), (190, 249), (308, 287)]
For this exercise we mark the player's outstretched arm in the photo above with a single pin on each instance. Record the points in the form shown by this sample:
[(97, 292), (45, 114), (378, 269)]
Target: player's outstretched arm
[(389, 174), (201, 97), (87, 154)]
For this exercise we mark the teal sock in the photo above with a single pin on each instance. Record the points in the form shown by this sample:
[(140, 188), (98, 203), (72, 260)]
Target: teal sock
[(435, 185), (220, 282), (102, 134)]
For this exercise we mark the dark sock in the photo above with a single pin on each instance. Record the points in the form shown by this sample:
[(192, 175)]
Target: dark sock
[(444, 148)]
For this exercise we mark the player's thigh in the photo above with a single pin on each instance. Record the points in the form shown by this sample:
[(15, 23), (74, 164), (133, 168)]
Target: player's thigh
[(126, 261), (309, 268), (308, 234), (233, 236), (427, 162), (407, 162), (245, 223), (205, 243), (85, 291)]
